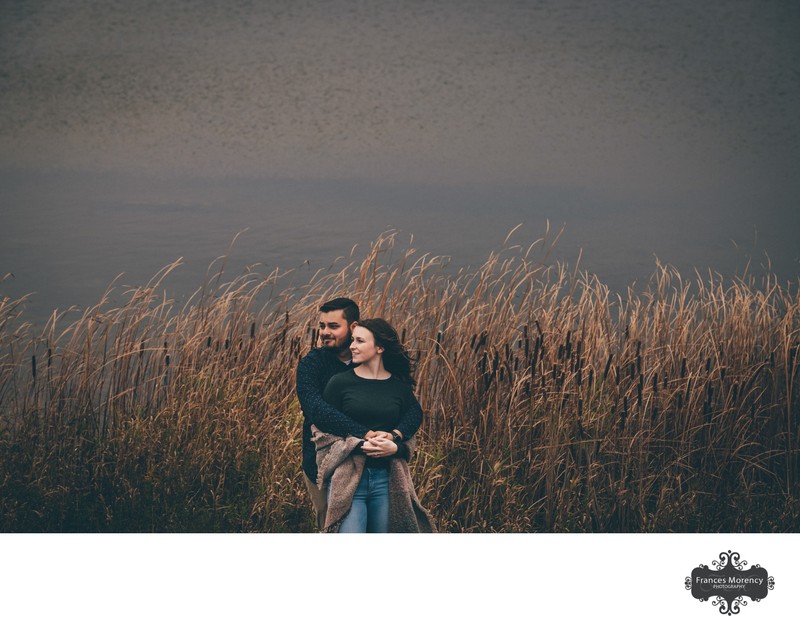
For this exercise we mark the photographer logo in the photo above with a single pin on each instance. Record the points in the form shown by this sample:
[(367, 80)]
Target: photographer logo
[(729, 583)]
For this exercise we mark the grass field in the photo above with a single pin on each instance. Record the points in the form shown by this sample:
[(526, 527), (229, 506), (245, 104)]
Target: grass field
[(551, 405)]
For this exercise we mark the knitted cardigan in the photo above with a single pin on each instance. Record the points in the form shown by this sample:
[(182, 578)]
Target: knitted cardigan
[(341, 470)]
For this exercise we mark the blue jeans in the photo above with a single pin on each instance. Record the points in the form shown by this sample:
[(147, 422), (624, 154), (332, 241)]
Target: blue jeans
[(370, 509)]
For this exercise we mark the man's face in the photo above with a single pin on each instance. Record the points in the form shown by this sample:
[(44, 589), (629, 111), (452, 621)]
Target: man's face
[(334, 332)]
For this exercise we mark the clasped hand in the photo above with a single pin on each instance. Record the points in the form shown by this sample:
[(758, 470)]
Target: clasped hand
[(379, 444)]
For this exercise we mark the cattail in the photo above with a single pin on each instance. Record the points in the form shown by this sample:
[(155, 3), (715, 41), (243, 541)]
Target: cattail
[(33, 366), (640, 390), (608, 366), (624, 416)]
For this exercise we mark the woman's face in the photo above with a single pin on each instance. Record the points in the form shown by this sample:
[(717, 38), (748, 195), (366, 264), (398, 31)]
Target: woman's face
[(363, 345)]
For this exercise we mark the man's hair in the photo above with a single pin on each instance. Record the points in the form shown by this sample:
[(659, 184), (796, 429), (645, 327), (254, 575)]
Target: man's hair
[(349, 308)]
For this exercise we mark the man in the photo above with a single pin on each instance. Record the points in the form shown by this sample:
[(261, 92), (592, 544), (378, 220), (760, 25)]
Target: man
[(336, 321)]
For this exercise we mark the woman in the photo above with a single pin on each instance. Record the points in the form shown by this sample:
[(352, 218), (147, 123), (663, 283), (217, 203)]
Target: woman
[(370, 486)]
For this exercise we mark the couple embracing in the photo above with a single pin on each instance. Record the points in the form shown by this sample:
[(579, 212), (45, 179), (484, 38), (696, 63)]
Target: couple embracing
[(360, 416)]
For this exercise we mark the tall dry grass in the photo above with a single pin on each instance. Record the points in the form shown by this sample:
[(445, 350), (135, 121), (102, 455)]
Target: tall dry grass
[(550, 404)]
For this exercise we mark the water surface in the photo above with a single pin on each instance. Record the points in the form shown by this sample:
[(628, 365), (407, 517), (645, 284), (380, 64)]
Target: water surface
[(135, 133)]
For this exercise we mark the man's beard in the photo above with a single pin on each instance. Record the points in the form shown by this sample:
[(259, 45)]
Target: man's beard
[(338, 348)]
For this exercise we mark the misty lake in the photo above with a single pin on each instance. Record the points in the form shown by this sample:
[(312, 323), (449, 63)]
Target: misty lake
[(136, 134)]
